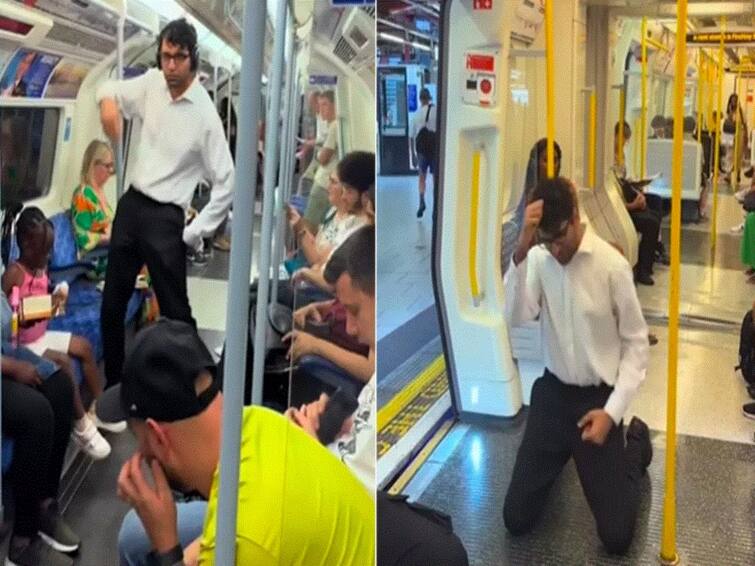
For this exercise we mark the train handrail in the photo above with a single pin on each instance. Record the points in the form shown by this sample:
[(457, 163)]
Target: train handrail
[(717, 145), (593, 135), (668, 554), (549, 96), (237, 311), (644, 101), (474, 210)]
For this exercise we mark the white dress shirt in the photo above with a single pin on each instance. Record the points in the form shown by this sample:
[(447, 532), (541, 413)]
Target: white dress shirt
[(182, 143), (591, 320), (418, 122)]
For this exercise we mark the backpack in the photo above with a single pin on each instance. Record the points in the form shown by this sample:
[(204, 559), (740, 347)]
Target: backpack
[(425, 140), (747, 349)]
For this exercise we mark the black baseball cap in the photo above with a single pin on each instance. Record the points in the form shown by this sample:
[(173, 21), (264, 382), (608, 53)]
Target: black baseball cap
[(159, 372)]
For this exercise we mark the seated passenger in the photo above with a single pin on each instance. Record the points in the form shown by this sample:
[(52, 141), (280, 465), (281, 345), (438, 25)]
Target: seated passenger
[(596, 356), (405, 534), (35, 236), (37, 404), (296, 503), (91, 214), (658, 125), (356, 173), (346, 213), (646, 219)]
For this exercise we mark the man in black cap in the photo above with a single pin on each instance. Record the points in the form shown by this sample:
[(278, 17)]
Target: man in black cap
[(174, 407)]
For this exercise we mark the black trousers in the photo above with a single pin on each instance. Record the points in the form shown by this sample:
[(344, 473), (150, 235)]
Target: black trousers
[(410, 535), (609, 474), (144, 231), (648, 224), (39, 420)]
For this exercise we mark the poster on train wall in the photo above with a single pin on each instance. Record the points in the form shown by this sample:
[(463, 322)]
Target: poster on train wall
[(528, 20), (66, 79), (27, 73)]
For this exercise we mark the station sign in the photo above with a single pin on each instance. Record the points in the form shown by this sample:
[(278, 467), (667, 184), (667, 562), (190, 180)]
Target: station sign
[(714, 38), (480, 77), (482, 5)]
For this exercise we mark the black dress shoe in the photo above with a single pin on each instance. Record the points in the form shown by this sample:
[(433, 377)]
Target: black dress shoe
[(421, 209), (638, 431), (644, 279)]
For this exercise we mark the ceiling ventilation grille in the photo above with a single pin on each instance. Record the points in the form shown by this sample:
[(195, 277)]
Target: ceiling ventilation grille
[(344, 51)]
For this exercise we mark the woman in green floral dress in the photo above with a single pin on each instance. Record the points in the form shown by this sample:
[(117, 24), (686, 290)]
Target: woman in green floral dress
[(91, 214)]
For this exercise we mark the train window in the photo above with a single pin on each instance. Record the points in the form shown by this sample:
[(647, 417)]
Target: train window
[(28, 137)]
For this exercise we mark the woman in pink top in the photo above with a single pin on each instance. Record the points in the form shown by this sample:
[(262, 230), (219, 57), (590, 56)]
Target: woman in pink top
[(34, 234)]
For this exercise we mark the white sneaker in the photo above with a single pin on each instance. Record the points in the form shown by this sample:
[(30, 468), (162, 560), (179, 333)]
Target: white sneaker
[(116, 427), (91, 441), (738, 228)]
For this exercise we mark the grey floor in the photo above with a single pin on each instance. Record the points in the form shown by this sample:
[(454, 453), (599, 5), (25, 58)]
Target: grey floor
[(715, 499)]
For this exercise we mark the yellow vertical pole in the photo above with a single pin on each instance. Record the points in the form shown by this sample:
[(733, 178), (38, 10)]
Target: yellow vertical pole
[(711, 90), (622, 110), (474, 208), (737, 142), (593, 135), (717, 126), (700, 84), (636, 157), (644, 102), (549, 71), (668, 539)]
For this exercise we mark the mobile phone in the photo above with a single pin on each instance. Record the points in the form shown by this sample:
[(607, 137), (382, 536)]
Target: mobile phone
[(340, 407)]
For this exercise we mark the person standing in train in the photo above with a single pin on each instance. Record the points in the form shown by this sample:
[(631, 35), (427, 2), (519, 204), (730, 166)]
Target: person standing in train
[(424, 126), (182, 142), (596, 355)]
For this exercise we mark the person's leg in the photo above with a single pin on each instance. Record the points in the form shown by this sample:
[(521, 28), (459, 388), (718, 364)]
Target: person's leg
[(407, 536), (28, 418), (164, 252), (543, 453), (80, 348), (134, 545), (66, 367), (647, 225), (124, 262), (423, 164), (317, 207)]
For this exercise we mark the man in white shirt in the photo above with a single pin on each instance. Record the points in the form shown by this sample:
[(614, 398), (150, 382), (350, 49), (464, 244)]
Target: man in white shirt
[(596, 354), (182, 143), (424, 126)]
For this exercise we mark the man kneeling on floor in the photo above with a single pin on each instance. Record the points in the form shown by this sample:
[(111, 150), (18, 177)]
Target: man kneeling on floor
[(297, 504), (596, 354)]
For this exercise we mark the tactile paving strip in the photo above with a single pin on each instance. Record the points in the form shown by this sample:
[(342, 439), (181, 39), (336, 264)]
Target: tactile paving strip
[(715, 505)]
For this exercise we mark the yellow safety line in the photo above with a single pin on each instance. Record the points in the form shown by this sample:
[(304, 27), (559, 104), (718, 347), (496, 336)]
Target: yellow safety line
[(644, 104), (474, 206), (407, 475), (668, 540), (593, 135), (716, 150), (549, 100), (408, 393)]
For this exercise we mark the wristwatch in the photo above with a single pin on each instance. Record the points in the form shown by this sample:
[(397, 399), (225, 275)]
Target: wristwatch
[(174, 556)]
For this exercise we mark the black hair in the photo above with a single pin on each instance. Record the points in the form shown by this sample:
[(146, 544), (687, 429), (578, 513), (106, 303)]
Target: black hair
[(627, 129), (29, 222), (658, 122), (424, 94), (689, 125), (336, 265), (558, 203), (732, 103), (533, 167), (329, 94), (360, 259), (357, 170), (182, 33)]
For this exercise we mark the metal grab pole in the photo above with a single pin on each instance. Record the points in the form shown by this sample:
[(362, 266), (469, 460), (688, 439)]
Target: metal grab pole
[(118, 149), (237, 311), (272, 129), (286, 171), (668, 541), (549, 101)]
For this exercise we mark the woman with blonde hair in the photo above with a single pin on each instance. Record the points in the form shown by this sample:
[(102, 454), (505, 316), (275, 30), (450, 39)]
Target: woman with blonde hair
[(91, 214)]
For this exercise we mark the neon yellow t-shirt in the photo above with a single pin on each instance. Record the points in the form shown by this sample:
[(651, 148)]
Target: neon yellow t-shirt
[(298, 505)]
